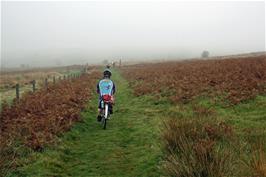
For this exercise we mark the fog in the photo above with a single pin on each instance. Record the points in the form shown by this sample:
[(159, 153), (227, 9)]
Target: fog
[(64, 33)]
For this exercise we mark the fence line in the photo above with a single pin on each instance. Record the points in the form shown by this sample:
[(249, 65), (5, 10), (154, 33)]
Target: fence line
[(46, 82)]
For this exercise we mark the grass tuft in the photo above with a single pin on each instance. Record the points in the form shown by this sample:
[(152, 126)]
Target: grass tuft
[(193, 148)]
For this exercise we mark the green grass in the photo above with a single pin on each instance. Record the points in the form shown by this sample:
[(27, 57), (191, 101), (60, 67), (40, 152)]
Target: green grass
[(249, 114), (129, 146), (245, 144)]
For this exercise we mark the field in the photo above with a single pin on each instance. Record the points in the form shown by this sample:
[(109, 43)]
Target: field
[(218, 123), (199, 118), (235, 79)]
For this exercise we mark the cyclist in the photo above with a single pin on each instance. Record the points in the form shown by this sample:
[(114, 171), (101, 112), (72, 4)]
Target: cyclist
[(105, 86)]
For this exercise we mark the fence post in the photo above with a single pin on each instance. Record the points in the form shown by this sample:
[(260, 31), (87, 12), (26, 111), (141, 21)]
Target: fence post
[(64, 77), (54, 79), (17, 91), (33, 86), (46, 82)]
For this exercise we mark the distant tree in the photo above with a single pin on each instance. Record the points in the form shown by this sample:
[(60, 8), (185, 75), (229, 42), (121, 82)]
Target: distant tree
[(205, 54)]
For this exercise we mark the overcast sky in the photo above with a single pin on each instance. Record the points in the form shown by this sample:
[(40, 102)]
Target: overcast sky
[(61, 33)]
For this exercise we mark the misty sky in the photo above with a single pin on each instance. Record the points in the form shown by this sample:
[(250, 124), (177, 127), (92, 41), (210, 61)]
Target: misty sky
[(62, 33)]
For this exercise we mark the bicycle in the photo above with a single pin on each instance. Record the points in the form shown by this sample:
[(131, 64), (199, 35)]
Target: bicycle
[(105, 106)]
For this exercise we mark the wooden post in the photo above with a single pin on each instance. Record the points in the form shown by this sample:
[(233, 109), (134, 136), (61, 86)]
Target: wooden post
[(64, 77), (17, 91), (33, 86), (59, 78), (54, 79), (46, 82)]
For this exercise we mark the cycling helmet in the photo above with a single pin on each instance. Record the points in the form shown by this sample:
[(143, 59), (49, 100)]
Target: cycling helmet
[(107, 73)]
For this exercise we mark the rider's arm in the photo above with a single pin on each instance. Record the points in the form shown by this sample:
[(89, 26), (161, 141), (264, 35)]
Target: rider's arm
[(113, 88), (98, 88)]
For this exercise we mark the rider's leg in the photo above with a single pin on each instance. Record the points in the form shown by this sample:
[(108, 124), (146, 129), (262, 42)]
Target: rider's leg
[(111, 108), (99, 117), (112, 103)]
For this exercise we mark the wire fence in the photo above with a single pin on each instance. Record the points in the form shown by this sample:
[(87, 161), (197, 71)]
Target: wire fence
[(19, 89)]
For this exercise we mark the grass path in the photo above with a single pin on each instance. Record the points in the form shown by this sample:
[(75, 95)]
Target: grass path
[(129, 146)]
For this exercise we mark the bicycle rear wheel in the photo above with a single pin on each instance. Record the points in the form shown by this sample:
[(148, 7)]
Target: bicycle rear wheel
[(104, 120), (106, 114)]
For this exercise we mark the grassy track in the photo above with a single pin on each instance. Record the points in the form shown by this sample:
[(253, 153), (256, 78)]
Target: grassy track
[(129, 146)]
